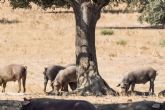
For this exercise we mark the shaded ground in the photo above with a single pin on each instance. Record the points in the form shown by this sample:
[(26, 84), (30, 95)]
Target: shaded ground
[(6, 21), (133, 27), (142, 105), (139, 105)]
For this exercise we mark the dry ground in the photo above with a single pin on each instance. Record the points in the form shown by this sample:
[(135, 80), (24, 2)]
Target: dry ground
[(37, 39)]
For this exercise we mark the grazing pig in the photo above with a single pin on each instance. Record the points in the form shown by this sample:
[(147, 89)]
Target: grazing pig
[(64, 77), (68, 65), (50, 73), (13, 72), (56, 104), (138, 77)]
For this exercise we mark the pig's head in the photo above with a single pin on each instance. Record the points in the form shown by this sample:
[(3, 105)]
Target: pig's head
[(124, 86), (57, 87), (45, 70)]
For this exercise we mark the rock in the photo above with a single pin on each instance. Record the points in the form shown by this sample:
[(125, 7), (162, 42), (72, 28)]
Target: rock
[(141, 107), (4, 107), (123, 106), (156, 105), (16, 104)]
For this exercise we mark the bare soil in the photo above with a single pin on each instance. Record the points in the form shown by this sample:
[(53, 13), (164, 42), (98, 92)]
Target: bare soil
[(38, 38)]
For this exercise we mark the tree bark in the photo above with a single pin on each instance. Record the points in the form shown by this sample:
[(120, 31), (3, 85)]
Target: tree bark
[(87, 13)]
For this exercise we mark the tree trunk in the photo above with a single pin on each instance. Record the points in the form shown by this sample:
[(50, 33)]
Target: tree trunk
[(90, 82)]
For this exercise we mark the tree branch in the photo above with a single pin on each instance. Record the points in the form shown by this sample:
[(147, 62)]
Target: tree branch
[(101, 3), (72, 2)]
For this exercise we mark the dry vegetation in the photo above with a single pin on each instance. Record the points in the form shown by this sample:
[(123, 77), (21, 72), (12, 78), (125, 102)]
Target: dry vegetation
[(38, 38)]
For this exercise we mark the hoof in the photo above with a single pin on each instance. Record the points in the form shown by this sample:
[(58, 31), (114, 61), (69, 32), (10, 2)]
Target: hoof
[(65, 94)]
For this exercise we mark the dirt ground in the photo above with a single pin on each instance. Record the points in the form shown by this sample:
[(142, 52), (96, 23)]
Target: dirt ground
[(38, 38)]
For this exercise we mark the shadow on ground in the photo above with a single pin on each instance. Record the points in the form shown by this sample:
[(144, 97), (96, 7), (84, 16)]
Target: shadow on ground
[(60, 104), (141, 105), (10, 105), (59, 12), (6, 21), (45, 104), (120, 11), (132, 27), (138, 93), (104, 11)]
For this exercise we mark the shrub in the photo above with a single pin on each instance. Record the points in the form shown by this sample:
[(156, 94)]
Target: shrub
[(121, 42), (107, 32), (154, 12), (162, 43)]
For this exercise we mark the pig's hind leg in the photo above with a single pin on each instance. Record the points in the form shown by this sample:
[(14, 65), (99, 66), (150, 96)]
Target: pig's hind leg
[(151, 88)]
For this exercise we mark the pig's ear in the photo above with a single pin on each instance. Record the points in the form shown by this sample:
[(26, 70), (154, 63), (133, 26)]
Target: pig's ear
[(25, 102), (118, 85), (46, 68), (25, 67), (25, 99)]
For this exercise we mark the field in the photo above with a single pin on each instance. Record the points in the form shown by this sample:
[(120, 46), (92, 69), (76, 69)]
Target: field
[(38, 38)]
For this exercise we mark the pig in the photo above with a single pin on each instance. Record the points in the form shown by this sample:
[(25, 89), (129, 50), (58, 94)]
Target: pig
[(161, 93), (140, 76), (56, 104), (64, 77), (68, 65), (13, 72), (50, 73)]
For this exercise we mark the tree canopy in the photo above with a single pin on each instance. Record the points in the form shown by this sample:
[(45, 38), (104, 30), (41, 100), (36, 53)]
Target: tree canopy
[(43, 3), (153, 11)]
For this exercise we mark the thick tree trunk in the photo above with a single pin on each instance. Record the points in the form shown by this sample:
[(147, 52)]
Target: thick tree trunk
[(89, 80)]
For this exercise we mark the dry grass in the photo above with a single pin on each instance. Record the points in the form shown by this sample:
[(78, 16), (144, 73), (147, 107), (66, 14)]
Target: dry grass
[(39, 39)]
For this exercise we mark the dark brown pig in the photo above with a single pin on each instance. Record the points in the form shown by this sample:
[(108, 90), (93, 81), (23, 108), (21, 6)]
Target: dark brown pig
[(50, 73), (140, 76)]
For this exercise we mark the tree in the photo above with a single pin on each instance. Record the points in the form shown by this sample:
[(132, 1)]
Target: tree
[(87, 13), (154, 12)]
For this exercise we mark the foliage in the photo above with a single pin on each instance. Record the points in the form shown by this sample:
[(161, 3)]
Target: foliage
[(43, 3), (162, 43), (49, 3), (121, 42), (154, 12), (107, 32), (131, 4), (20, 4), (137, 3)]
